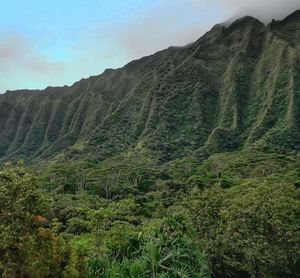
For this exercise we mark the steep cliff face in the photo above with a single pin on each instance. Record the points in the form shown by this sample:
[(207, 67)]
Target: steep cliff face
[(235, 87)]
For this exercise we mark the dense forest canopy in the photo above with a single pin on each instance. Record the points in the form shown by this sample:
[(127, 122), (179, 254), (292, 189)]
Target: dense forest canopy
[(232, 215)]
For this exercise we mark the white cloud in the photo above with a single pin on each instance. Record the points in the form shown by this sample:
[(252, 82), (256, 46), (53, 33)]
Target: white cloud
[(180, 22), (21, 61), (264, 10), (165, 23), (18, 51)]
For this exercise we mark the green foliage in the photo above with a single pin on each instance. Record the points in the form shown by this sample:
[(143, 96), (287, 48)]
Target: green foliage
[(235, 167), (168, 249), (252, 228), (28, 247), (237, 213), (65, 177), (115, 178), (123, 175)]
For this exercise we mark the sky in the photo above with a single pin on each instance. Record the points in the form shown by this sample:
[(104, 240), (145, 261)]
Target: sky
[(57, 42)]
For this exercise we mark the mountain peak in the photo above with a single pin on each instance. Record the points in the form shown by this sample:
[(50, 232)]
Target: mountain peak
[(246, 20), (293, 16), (215, 92)]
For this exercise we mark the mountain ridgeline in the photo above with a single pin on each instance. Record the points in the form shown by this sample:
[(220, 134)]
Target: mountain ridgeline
[(185, 163), (236, 87)]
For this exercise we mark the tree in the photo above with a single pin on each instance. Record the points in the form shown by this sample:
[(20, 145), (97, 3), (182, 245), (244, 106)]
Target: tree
[(252, 229), (65, 177), (28, 247), (19, 211)]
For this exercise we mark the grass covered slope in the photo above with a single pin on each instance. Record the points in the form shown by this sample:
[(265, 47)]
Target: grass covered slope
[(235, 87)]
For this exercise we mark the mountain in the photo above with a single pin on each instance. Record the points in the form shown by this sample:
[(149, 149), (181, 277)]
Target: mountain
[(234, 88), (181, 164)]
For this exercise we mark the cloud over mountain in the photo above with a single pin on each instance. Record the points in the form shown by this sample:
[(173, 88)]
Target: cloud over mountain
[(265, 10), (35, 58)]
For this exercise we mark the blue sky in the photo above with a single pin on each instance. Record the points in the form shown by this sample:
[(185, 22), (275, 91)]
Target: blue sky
[(57, 42)]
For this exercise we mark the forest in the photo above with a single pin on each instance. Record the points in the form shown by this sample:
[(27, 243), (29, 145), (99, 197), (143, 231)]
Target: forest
[(230, 215)]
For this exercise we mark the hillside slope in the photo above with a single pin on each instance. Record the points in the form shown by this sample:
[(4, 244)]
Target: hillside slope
[(235, 87)]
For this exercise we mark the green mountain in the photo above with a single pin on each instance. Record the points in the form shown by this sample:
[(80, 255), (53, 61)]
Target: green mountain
[(236, 87), (185, 163)]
